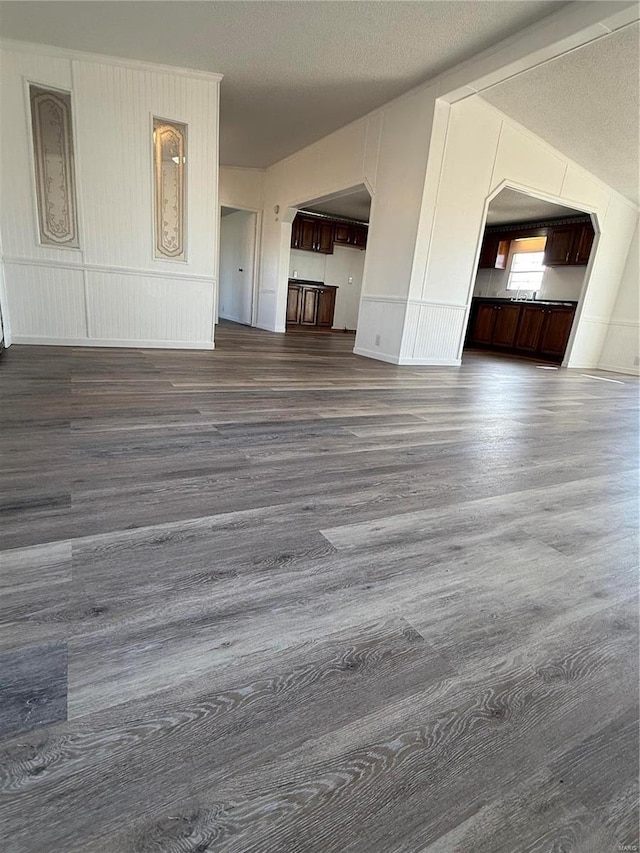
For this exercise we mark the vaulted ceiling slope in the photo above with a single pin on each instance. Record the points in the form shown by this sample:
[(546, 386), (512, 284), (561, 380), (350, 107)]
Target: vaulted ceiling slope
[(587, 105), (294, 71)]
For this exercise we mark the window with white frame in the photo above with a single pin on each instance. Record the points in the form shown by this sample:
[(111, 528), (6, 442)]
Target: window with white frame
[(527, 266)]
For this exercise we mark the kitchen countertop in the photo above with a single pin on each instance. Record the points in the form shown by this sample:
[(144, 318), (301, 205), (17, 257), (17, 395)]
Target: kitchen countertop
[(310, 283), (566, 302)]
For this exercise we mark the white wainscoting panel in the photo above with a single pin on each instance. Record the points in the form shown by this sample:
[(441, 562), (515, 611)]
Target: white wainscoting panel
[(266, 309), (380, 324), (45, 302), (146, 308), (112, 291), (621, 348), (432, 333), (588, 342)]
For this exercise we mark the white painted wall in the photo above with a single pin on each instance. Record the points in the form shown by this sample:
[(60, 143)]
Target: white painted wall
[(426, 222), (484, 151), (311, 266), (621, 349), (387, 151), (240, 187), (345, 263), (237, 252), (112, 291)]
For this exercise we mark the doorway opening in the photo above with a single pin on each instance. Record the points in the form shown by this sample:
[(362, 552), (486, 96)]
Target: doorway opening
[(531, 277), (326, 262), (238, 265)]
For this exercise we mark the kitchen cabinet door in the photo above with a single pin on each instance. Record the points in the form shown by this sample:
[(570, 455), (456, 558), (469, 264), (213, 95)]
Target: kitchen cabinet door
[(559, 249), (295, 233), (342, 234), (359, 236), (488, 252), (324, 237), (307, 240), (530, 328), (582, 244), (555, 332), (309, 307), (294, 303), (505, 326), (483, 323), (326, 305)]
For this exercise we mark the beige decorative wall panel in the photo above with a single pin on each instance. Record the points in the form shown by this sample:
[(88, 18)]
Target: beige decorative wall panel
[(54, 167), (169, 163)]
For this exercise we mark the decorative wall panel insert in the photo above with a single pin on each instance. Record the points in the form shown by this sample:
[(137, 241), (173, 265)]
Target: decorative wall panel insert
[(54, 167), (170, 161)]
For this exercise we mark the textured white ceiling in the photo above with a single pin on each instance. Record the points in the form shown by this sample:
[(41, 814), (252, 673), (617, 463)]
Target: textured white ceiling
[(355, 205), (511, 206), (585, 104), (294, 71)]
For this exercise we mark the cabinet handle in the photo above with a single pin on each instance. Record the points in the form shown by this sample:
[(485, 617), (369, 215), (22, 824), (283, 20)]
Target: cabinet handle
[(567, 257)]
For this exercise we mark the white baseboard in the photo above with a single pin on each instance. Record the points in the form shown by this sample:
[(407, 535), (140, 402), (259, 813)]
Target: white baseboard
[(431, 362), (616, 368), (269, 329), (379, 356), (102, 342), (408, 362)]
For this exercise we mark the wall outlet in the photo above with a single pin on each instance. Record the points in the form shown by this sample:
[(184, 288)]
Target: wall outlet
[(377, 340), (350, 279), (295, 273)]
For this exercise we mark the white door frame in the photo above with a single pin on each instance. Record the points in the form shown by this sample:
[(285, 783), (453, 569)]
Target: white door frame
[(256, 260)]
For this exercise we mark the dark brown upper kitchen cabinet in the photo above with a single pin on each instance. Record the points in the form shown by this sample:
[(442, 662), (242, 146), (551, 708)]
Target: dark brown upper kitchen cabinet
[(568, 245), (359, 236), (557, 252), (583, 244), (312, 235), (555, 332), (494, 252), (343, 234), (320, 234)]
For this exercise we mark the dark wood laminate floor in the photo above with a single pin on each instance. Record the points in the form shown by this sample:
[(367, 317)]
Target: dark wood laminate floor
[(281, 599)]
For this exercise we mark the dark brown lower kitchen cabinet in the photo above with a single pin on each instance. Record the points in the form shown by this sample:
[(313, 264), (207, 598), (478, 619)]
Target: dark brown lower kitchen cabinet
[(294, 299), (494, 325), (326, 307), (556, 329), (483, 319), (310, 304), (506, 325), (529, 328), (539, 331)]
